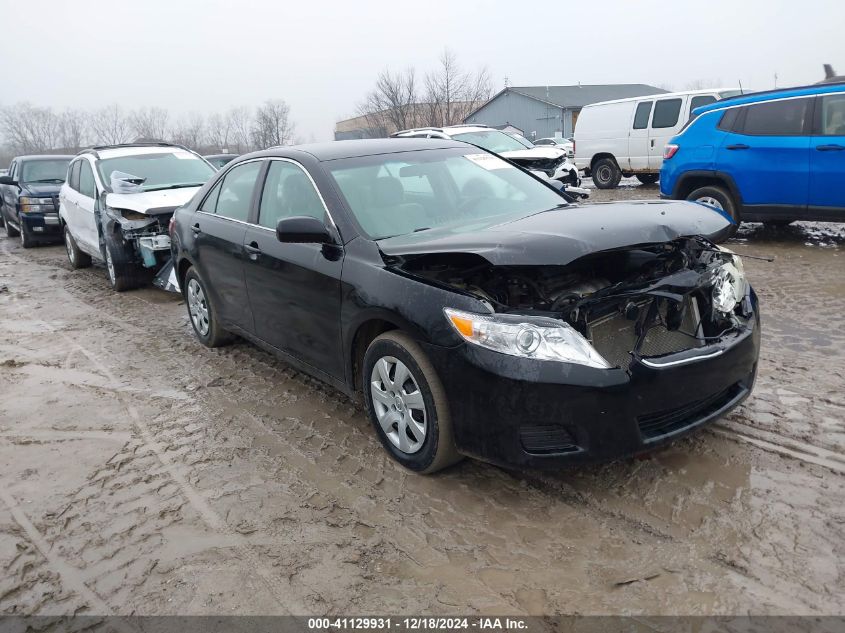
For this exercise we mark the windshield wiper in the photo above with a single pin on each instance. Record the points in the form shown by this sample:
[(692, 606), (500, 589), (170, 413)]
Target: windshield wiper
[(425, 228), (182, 186), (46, 180)]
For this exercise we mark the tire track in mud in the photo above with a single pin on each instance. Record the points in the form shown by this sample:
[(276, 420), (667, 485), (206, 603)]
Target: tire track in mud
[(195, 498), (320, 452)]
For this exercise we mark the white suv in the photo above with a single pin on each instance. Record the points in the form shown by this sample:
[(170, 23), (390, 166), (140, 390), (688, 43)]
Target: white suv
[(117, 201), (552, 161)]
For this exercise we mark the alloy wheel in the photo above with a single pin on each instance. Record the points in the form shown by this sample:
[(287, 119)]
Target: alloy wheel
[(110, 267), (398, 404), (711, 202), (198, 307), (69, 248)]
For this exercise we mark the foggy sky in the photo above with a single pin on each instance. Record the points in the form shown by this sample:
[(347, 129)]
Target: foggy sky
[(322, 57)]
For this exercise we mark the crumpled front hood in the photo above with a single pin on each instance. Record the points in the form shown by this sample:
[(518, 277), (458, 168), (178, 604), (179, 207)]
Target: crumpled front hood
[(560, 236), (545, 153), (144, 201)]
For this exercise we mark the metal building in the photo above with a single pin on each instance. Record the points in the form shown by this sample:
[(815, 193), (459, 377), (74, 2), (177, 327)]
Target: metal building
[(546, 111)]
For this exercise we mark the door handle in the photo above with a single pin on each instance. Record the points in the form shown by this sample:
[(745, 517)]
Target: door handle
[(652, 142), (738, 146), (252, 249), (830, 148), (196, 228)]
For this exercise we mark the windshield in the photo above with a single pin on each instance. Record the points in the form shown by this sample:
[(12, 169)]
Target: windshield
[(491, 140), (44, 170), (396, 194), (161, 170)]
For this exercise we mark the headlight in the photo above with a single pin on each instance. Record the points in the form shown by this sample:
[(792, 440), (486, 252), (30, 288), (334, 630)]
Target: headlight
[(729, 284), (36, 205), (540, 338)]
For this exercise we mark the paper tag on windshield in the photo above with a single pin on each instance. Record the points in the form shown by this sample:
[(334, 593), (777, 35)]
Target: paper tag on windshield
[(488, 161), (180, 153)]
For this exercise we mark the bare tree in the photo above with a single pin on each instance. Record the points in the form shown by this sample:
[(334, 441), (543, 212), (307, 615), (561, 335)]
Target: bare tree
[(29, 129), (151, 123), (190, 130), (73, 129), (110, 126), (272, 125), (240, 124), (393, 104), (218, 131), (702, 84), (451, 94)]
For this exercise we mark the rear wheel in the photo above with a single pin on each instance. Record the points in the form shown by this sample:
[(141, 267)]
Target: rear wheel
[(648, 179), (76, 257), (407, 404), (202, 312), (718, 198), (606, 174)]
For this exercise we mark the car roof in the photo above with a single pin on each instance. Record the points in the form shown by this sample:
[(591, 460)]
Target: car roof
[(30, 157), (135, 150), (334, 150), (220, 155), (662, 95), (771, 95)]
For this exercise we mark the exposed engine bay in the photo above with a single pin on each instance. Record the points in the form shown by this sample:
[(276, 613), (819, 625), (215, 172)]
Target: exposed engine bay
[(144, 234), (648, 300)]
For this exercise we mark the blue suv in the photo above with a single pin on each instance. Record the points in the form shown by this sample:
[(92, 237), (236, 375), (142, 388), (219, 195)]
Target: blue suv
[(772, 157)]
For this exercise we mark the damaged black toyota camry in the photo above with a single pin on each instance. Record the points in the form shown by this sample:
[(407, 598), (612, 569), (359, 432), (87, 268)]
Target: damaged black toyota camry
[(479, 313)]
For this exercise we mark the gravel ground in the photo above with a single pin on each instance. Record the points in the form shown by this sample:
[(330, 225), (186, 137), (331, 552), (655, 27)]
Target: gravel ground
[(141, 473)]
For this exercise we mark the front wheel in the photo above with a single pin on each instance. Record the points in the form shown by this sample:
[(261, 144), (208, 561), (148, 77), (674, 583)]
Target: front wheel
[(122, 272), (648, 179), (26, 237), (10, 230), (719, 198), (407, 404), (606, 174)]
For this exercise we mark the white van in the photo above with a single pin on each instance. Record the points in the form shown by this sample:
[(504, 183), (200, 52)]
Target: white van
[(626, 137)]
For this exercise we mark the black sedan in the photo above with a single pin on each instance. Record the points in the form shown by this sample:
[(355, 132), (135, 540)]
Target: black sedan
[(477, 311)]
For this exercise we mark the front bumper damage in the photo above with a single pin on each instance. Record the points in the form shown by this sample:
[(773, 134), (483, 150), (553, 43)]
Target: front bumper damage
[(541, 414)]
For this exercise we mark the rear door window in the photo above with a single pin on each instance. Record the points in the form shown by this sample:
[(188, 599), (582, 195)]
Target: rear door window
[(235, 198), (728, 120), (776, 118), (86, 180), (73, 180), (642, 114), (666, 113)]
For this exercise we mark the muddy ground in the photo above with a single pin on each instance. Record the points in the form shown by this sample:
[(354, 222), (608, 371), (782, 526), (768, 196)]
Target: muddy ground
[(141, 473)]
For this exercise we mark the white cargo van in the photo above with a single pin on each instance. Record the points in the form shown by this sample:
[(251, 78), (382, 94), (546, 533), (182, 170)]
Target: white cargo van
[(626, 137)]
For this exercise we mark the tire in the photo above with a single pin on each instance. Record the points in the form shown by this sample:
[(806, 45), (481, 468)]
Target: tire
[(648, 179), (423, 448), (26, 238), (198, 301), (10, 230), (606, 174), (123, 274), (76, 257), (720, 198)]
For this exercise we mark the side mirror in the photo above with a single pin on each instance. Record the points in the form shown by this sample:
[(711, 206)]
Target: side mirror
[(303, 229), (7, 180)]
